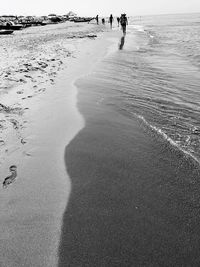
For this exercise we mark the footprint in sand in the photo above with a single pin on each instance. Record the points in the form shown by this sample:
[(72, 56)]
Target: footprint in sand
[(28, 76), (42, 90), (22, 81), (11, 178), (23, 141), (2, 142), (15, 124), (27, 154)]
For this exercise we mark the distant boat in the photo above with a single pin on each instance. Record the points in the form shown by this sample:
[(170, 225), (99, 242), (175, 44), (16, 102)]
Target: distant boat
[(82, 19), (6, 32), (11, 26), (15, 27)]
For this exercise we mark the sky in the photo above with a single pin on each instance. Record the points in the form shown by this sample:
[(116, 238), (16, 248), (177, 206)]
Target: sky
[(101, 7)]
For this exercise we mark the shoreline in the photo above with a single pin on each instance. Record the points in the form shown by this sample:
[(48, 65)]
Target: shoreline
[(133, 197), (32, 207)]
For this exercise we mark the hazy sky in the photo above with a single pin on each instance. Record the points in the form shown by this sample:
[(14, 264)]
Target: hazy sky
[(101, 7)]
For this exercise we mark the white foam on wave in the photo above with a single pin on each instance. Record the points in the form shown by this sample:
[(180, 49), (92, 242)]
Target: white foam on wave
[(139, 28), (167, 138)]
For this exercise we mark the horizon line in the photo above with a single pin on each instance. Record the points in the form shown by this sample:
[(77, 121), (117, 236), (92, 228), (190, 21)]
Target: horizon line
[(134, 15)]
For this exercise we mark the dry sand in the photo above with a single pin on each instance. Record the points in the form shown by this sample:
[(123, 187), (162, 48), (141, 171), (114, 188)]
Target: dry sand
[(43, 119)]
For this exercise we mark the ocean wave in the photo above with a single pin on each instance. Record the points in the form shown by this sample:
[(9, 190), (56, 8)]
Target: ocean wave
[(167, 138), (150, 36)]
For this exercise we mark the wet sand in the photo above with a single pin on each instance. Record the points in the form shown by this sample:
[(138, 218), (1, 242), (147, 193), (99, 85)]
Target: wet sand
[(134, 199), (44, 122)]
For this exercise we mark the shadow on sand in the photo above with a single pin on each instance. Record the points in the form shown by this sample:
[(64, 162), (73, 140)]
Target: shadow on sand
[(122, 41)]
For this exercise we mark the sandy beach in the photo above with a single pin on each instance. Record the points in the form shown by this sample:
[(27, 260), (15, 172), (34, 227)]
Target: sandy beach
[(39, 118), (96, 181)]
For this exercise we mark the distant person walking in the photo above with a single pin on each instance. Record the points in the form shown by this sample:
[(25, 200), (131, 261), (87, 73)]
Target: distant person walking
[(103, 21), (123, 22), (97, 19), (111, 20), (118, 20)]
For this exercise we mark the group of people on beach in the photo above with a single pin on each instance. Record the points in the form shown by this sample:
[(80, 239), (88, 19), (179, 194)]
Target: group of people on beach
[(122, 20)]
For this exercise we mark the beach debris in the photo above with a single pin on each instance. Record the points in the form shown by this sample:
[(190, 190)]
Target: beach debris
[(11, 178)]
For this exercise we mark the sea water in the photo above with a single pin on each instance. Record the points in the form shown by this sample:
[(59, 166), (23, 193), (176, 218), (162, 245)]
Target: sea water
[(159, 65)]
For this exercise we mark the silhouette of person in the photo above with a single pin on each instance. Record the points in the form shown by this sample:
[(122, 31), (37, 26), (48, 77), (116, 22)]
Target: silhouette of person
[(97, 19), (111, 20), (124, 22), (118, 20), (103, 21)]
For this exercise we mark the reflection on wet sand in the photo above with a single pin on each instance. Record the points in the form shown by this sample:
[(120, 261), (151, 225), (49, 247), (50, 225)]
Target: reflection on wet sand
[(122, 41)]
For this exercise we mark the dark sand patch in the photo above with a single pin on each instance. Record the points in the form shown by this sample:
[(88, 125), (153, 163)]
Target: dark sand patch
[(134, 201)]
